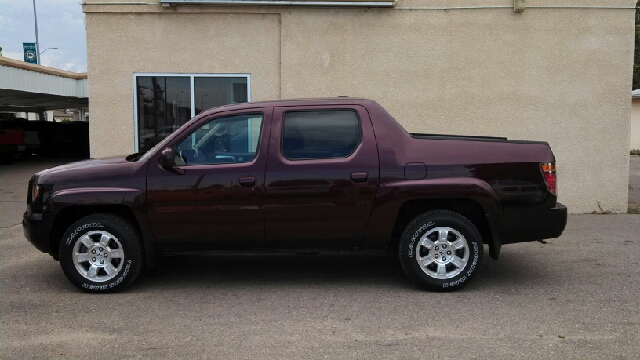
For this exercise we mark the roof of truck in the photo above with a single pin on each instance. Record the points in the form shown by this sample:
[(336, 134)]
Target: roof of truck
[(342, 100)]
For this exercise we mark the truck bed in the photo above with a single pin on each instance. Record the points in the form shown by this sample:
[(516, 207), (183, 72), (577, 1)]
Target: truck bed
[(473, 138)]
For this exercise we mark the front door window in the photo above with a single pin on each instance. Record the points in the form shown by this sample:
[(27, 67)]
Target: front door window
[(232, 139)]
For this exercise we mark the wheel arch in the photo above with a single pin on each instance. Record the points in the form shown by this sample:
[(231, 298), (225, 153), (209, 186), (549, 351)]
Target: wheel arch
[(469, 208), (70, 214)]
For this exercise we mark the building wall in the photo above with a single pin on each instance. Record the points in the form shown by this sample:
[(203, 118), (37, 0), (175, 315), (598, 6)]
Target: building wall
[(562, 75), (120, 44), (635, 124)]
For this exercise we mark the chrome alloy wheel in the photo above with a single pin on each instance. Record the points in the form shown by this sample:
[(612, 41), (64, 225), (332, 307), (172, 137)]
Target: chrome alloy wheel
[(442, 253), (98, 256)]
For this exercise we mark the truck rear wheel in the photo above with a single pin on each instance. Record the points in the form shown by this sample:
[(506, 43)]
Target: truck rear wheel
[(101, 253), (441, 250)]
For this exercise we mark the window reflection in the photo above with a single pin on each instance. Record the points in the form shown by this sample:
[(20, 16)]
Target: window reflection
[(217, 91), (221, 141), (164, 102)]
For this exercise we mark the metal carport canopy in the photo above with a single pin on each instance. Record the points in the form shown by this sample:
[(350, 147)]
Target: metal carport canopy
[(33, 88)]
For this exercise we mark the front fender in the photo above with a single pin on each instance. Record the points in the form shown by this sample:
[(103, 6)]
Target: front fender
[(93, 196), (132, 198)]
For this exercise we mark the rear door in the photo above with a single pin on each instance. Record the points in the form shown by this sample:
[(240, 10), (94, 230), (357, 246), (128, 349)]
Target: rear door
[(321, 178)]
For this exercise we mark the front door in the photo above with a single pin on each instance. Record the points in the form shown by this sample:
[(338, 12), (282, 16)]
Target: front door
[(212, 198), (322, 176)]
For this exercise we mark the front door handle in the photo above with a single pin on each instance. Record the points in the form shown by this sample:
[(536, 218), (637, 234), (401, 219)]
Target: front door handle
[(247, 181), (359, 176)]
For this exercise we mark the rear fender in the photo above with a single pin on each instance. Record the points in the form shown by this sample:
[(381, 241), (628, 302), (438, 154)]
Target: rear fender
[(458, 187), (391, 196)]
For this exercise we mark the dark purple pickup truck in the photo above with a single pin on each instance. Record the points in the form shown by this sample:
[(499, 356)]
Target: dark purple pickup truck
[(299, 176)]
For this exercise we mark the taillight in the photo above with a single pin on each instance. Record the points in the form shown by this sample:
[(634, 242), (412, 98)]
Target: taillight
[(35, 191), (549, 173)]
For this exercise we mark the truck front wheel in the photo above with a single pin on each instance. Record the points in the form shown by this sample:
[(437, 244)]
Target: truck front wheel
[(441, 250), (101, 253)]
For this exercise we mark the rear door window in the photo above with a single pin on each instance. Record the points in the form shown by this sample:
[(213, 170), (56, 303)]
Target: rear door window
[(325, 134)]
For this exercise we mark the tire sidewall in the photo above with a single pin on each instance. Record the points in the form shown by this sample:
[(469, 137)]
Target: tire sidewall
[(132, 257), (424, 223)]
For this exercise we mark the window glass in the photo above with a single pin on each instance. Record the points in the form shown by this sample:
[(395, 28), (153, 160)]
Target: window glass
[(320, 134), (164, 104), (232, 139), (217, 91)]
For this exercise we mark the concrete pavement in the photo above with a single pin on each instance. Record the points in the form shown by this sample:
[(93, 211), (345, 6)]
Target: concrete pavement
[(14, 179), (576, 297)]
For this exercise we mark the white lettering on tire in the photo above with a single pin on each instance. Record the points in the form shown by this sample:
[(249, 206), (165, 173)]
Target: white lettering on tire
[(79, 229), (109, 286), (417, 235), (469, 272)]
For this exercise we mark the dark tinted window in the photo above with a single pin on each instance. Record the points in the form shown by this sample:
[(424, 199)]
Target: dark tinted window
[(217, 91), (320, 134), (164, 104)]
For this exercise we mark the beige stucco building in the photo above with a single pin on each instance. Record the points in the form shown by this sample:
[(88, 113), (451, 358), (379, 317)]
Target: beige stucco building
[(559, 71)]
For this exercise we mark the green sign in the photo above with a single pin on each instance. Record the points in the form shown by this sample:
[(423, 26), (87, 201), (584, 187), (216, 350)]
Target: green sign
[(30, 55)]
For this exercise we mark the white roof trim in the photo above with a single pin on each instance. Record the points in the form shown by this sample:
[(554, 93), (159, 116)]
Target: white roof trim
[(40, 83)]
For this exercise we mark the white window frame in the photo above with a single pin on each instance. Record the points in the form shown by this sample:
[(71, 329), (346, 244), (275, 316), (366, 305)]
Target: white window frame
[(193, 100)]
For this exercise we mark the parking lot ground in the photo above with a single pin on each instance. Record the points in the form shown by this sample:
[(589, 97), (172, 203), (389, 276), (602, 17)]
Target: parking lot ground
[(14, 179), (576, 297)]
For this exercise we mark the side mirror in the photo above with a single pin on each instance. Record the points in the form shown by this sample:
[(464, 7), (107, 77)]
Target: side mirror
[(167, 158)]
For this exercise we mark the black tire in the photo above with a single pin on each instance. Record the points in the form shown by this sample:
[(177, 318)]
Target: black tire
[(456, 230), (117, 271)]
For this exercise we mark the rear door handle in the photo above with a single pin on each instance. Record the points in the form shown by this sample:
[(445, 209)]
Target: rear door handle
[(247, 181), (359, 176)]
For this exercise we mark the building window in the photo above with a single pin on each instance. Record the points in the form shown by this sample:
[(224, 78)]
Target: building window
[(320, 134), (164, 102)]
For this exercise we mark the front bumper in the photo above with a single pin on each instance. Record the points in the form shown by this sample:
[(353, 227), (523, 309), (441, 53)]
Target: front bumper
[(33, 227)]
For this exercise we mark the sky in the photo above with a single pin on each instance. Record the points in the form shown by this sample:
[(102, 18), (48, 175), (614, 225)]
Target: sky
[(60, 24)]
